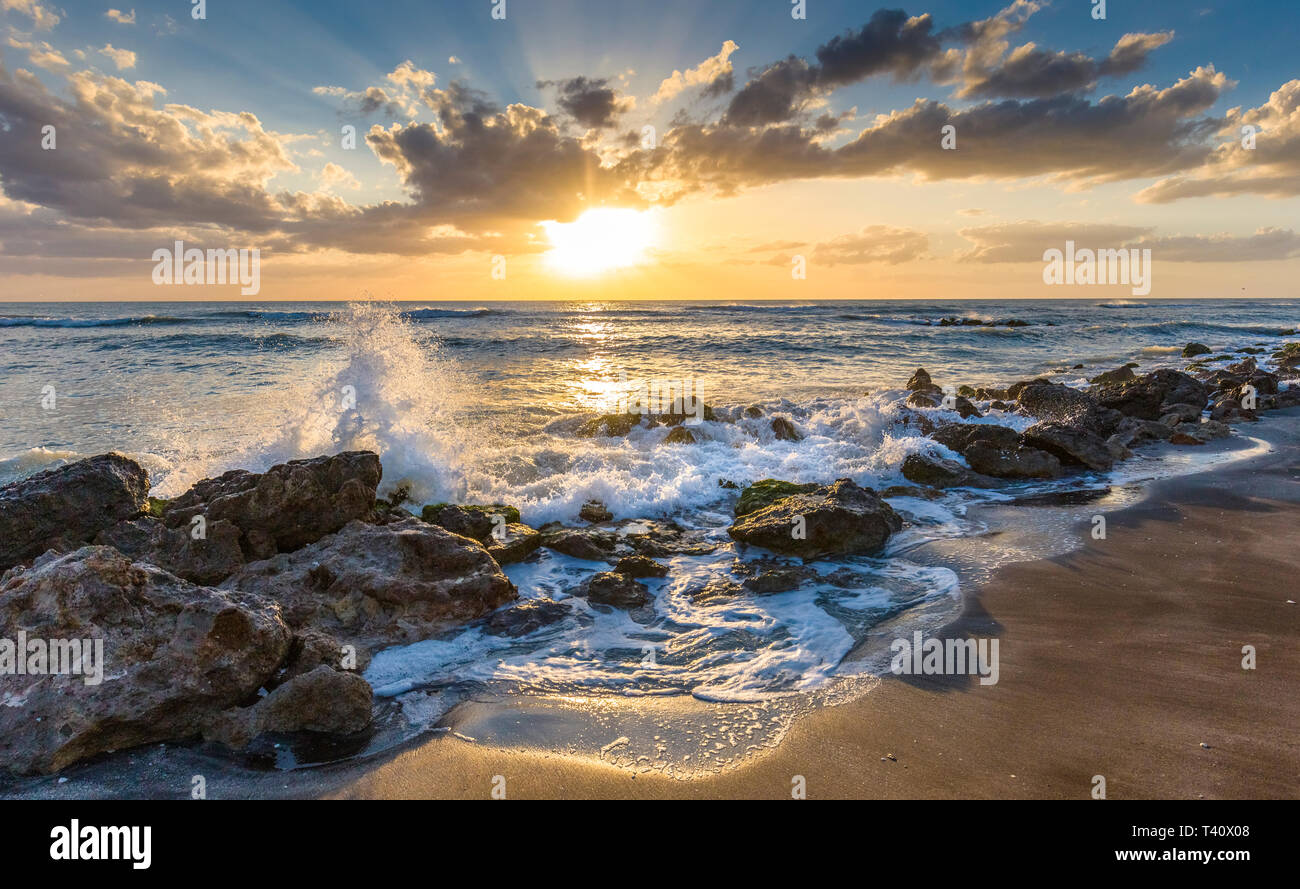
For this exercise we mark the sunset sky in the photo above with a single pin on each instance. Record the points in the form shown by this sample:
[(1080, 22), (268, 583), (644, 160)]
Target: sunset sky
[(773, 137)]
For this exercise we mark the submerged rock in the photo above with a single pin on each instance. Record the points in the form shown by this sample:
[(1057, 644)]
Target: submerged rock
[(615, 589), (838, 519), (640, 566), (594, 544), (594, 511), (526, 616), (938, 473), (177, 654), (679, 435), (1191, 350), (65, 507), (784, 430)]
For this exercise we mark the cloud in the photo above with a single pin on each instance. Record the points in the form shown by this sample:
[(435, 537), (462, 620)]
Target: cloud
[(714, 74), (1264, 245), (1026, 241), (332, 176), (1148, 132), (875, 243), (120, 17), (43, 18), (42, 54), (589, 102), (1031, 72), (890, 43), (122, 58), (1271, 168), (137, 165)]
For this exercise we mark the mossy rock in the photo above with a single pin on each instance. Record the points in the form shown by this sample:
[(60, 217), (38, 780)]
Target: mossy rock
[(156, 505), (966, 391), (766, 492)]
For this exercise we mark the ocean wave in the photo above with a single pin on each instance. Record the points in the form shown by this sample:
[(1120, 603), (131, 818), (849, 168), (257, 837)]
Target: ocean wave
[(141, 321)]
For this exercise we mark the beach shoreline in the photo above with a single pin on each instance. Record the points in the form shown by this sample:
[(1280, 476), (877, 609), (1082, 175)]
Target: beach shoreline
[(1120, 659)]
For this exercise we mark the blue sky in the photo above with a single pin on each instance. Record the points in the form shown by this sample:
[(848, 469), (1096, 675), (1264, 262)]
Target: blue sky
[(301, 67)]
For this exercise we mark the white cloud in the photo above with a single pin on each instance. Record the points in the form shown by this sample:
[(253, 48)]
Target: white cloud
[(122, 58), (122, 18)]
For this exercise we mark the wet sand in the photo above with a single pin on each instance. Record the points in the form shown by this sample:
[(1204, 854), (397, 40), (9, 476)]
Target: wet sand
[(1120, 659)]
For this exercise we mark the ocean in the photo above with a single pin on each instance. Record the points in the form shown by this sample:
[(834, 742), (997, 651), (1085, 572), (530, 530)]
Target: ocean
[(481, 402)]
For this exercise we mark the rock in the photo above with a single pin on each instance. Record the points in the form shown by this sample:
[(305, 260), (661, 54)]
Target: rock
[(526, 616), (765, 492), (309, 649), (1150, 396), (937, 472), (1231, 411), (515, 543), (784, 430), (381, 585), (324, 701), (1013, 391), (177, 653), (769, 577), (1133, 431), (617, 590), (657, 539), (1191, 350), (754, 411), (1070, 444), (960, 436), (595, 511), (581, 543), (921, 399), (1053, 401), (476, 521), (1180, 413), (921, 382), (609, 426), (964, 408), (1119, 375), (67, 506), (1200, 432), (839, 519), (680, 435), (286, 507), (640, 566), (1013, 462), (1243, 368), (206, 561)]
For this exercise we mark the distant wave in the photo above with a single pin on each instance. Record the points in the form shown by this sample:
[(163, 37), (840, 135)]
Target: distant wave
[(28, 321)]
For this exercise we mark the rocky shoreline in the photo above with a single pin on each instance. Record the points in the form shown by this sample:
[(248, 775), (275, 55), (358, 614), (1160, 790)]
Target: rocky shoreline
[(250, 605)]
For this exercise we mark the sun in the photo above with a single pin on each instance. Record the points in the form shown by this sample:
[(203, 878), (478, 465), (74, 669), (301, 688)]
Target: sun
[(599, 241)]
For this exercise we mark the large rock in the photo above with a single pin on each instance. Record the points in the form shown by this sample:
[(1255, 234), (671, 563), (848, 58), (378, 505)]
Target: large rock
[(322, 701), (286, 507), (1150, 396), (205, 560), (476, 521), (767, 491), (515, 543), (997, 451), (65, 507), (175, 655), (1053, 401), (939, 473), (1015, 462), (381, 585), (839, 519), (1070, 444)]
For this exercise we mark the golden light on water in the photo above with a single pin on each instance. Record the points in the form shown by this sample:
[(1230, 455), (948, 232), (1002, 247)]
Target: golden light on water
[(599, 241)]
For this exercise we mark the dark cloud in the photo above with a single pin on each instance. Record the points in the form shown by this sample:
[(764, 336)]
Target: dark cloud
[(591, 103)]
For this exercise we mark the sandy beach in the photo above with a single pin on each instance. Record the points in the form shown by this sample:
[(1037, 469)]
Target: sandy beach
[(1121, 659)]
